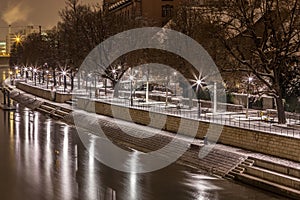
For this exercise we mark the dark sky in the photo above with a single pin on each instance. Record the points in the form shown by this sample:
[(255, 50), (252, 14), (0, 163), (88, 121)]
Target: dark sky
[(34, 12)]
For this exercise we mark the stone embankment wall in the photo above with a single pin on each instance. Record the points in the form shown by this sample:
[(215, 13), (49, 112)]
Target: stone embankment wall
[(46, 94), (263, 142)]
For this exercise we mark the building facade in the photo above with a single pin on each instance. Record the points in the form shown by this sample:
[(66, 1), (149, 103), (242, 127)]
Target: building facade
[(158, 11)]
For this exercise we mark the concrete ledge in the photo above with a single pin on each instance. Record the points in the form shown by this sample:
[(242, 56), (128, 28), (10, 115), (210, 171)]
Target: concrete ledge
[(275, 177), (277, 168), (46, 94), (270, 186)]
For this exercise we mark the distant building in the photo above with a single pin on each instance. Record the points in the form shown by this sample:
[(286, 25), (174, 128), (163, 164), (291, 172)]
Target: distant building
[(17, 36), (2, 48)]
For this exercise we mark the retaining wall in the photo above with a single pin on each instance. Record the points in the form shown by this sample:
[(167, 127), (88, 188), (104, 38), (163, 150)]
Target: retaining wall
[(271, 144), (46, 94)]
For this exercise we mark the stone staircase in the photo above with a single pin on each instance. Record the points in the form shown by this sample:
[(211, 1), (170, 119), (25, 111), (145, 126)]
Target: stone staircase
[(269, 176), (54, 111)]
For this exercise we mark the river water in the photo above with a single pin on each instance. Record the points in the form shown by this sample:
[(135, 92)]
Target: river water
[(41, 158)]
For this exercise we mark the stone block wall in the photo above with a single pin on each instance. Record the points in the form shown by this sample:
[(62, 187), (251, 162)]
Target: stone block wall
[(46, 94), (34, 91), (256, 141)]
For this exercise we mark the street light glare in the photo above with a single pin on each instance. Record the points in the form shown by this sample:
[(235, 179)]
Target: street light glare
[(18, 39), (250, 79), (199, 82)]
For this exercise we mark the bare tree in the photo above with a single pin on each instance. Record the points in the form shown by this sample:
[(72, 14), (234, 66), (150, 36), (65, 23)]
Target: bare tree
[(263, 37)]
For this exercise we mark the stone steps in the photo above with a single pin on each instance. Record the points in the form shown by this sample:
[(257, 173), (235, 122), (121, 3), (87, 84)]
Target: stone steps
[(269, 176), (53, 110), (272, 176), (269, 185)]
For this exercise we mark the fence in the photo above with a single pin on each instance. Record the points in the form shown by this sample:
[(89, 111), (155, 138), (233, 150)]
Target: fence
[(253, 122)]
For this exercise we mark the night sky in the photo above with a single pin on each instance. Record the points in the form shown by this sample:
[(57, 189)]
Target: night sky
[(20, 13)]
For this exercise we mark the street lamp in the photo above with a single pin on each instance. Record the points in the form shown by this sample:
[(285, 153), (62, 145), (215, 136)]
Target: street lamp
[(250, 79), (175, 73), (199, 85), (30, 69), (26, 73), (131, 77), (199, 82), (89, 76), (34, 70), (47, 74)]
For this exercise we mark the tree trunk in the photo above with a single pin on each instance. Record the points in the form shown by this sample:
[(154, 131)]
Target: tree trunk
[(54, 78), (116, 89), (280, 110)]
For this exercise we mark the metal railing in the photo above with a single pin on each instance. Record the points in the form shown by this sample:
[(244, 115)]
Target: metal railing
[(253, 122)]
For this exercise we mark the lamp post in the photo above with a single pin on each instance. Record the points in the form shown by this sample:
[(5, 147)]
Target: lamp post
[(175, 74), (89, 76), (199, 85), (31, 72), (47, 74), (26, 73), (247, 102), (131, 98), (34, 70)]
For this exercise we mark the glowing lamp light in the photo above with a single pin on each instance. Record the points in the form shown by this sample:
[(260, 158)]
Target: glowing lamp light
[(18, 39), (199, 82)]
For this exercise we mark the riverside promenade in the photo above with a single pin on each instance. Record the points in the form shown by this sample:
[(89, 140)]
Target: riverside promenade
[(225, 161)]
